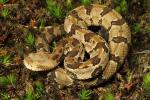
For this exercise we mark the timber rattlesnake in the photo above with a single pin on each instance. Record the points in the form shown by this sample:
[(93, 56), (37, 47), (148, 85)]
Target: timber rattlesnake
[(105, 58)]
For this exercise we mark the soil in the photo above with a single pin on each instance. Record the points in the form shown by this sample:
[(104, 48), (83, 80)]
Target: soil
[(24, 13)]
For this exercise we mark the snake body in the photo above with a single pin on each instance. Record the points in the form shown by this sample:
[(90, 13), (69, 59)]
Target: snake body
[(105, 57)]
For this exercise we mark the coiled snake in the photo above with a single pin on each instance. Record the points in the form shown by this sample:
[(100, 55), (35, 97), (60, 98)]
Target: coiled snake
[(105, 57)]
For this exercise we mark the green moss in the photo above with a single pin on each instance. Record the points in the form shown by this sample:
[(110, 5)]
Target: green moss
[(129, 76), (3, 1), (3, 81), (30, 39), (69, 4), (85, 2), (136, 27), (108, 96), (121, 6), (34, 94), (55, 10), (39, 88), (146, 83), (11, 79), (4, 96), (41, 24), (8, 80), (29, 95), (6, 60), (5, 13), (84, 94), (147, 3)]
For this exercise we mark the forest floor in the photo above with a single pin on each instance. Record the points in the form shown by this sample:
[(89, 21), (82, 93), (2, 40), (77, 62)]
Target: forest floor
[(17, 21)]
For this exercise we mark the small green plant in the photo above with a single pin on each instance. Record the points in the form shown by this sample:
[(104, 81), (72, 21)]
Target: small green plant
[(57, 12), (84, 94), (69, 4), (129, 76), (50, 4), (12, 79), (34, 94), (5, 13), (4, 96), (146, 83), (30, 40), (39, 88), (3, 1), (41, 24), (6, 60), (147, 3), (108, 96), (3, 81), (136, 27), (121, 6), (29, 95), (8, 80), (54, 9), (85, 2)]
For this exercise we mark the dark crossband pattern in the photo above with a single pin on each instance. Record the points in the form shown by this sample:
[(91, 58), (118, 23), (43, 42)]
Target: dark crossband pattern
[(119, 39), (105, 11)]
